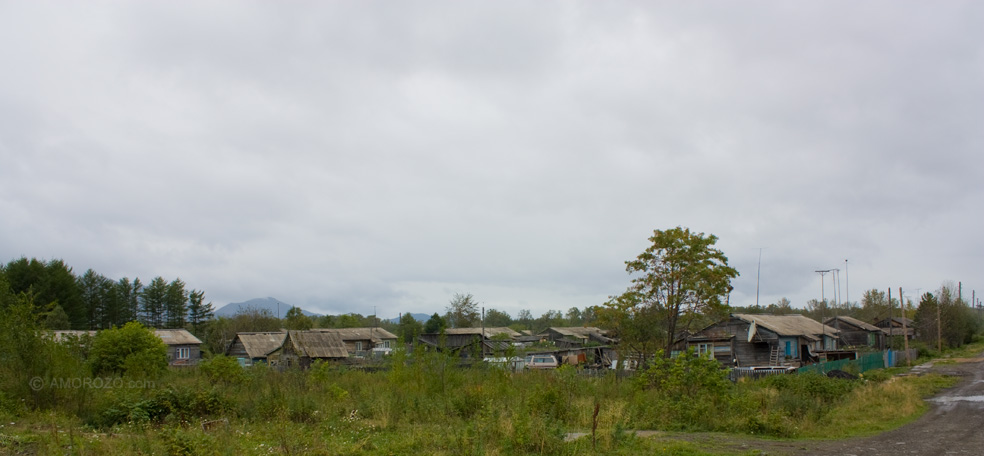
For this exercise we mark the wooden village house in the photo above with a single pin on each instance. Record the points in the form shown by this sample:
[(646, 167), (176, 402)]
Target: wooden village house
[(745, 340), (469, 342), (897, 326), (302, 348), (360, 342), (252, 347), (577, 336), (856, 333), (183, 348)]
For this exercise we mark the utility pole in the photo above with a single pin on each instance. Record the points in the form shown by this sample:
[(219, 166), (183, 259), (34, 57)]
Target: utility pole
[(891, 322), (847, 283), (905, 329), (939, 329), (823, 303)]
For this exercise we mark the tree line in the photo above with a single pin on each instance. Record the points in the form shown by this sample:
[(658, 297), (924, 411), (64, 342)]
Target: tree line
[(64, 300)]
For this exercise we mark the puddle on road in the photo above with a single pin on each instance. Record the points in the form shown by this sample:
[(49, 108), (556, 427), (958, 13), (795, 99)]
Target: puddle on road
[(952, 399)]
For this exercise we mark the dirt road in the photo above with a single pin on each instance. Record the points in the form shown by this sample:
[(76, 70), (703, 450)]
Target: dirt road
[(954, 424)]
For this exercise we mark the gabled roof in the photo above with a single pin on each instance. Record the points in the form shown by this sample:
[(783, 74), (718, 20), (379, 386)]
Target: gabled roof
[(317, 344), (177, 337), (853, 322), (62, 334), (897, 320), (169, 336), (580, 332), (259, 344), (375, 335), (489, 332), (788, 325)]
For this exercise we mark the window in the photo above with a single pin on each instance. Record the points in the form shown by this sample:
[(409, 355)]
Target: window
[(704, 349), (358, 346), (386, 344), (183, 353)]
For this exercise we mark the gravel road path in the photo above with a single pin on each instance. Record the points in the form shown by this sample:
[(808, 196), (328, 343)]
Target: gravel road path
[(954, 424)]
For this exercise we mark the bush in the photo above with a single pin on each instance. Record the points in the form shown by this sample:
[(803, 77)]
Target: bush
[(132, 350), (222, 369)]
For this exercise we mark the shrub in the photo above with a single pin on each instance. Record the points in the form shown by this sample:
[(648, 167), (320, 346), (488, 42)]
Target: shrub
[(222, 369), (132, 349)]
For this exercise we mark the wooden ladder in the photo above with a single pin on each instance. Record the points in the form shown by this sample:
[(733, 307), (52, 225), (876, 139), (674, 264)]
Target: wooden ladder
[(774, 356)]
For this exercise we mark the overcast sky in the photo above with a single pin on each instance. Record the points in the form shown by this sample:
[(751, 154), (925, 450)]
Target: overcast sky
[(342, 156)]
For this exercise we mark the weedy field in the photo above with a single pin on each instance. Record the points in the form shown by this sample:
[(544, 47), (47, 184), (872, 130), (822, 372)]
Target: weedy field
[(426, 404)]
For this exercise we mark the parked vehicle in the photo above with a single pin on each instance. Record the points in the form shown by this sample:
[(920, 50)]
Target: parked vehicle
[(541, 361)]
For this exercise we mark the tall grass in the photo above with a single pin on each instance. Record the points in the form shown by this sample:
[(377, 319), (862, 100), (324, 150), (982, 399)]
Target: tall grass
[(427, 404)]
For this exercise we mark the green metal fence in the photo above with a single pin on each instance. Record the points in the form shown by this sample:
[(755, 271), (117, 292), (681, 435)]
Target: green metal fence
[(864, 363)]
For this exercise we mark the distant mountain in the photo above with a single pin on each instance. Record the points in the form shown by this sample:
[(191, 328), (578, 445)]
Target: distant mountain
[(271, 304), (417, 316)]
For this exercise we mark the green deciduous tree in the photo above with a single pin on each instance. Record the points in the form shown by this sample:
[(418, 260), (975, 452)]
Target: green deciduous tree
[(295, 319), (678, 279), (525, 318), (435, 324), (131, 349), (408, 328), (944, 318), (496, 318), (462, 311)]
